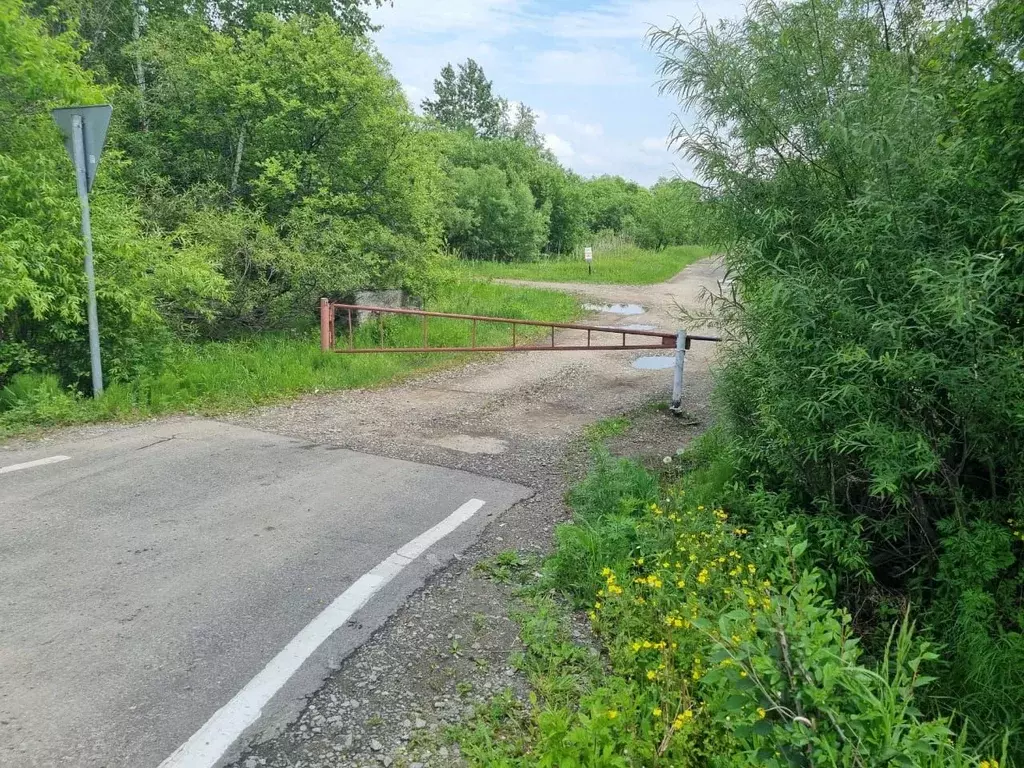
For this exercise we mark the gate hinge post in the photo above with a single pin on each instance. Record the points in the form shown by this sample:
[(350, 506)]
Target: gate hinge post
[(326, 326)]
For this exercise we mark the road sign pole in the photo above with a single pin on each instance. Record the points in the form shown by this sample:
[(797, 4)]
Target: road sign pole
[(78, 148)]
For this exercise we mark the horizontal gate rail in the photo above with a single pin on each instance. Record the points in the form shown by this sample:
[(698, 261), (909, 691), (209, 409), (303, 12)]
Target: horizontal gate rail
[(328, 336)]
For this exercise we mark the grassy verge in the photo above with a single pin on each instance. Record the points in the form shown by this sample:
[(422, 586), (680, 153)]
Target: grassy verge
[(718, 643), (625, 265), (220, 376)]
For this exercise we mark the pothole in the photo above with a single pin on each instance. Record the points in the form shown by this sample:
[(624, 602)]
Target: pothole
[(654, 362), (471, 444), (616, 309)]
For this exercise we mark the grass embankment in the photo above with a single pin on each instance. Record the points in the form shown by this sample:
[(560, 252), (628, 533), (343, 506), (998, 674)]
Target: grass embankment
[(623, 265), (213, 377), (719, 642)]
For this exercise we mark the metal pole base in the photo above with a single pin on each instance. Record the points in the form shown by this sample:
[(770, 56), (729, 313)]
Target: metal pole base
[(677, 382)]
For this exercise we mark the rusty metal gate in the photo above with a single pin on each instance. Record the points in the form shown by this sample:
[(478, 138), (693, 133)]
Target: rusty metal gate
[(679, 341)]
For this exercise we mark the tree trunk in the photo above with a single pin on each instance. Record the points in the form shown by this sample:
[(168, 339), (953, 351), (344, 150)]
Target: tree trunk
[(140, 72), (238, 160)]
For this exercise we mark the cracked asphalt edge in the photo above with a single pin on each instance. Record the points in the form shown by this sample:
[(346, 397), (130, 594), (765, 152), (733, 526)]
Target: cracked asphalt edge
[(449, 649)]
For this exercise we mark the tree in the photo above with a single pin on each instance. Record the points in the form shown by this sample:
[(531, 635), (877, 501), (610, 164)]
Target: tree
[(110, 28), (613, 203), (494, 216), (669, 215), (466, 101), (141, 279), (301, 140), (521, 125), (867, 161)]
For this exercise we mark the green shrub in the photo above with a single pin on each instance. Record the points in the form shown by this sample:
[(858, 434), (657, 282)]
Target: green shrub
[(872, 204), (42, 283), (722, 646), (36, 398)]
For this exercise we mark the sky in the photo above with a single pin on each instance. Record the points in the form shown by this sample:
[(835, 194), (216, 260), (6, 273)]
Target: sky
[(582, 65)]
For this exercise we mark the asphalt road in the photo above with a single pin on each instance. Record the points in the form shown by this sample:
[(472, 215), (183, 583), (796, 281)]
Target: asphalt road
[(149, 576)]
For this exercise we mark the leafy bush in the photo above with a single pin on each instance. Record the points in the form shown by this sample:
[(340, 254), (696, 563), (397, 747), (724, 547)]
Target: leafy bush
[(722, 647), (35, 398), (42, 285), (873, 202), (493, 216)]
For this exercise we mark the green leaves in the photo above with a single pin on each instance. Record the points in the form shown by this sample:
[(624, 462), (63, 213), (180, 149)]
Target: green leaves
[(866, 163)]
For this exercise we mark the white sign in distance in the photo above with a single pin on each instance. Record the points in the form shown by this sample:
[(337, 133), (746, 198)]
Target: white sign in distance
[(588, 253)]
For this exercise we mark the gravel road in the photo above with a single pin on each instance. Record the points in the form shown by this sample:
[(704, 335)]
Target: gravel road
[(517, 417)]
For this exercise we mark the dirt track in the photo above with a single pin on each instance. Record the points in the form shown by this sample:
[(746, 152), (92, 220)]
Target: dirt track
[(508, 414), (518, 417)]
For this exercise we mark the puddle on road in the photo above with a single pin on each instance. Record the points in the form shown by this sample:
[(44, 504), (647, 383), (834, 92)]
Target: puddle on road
[(654, 362), (616, 309), (636, 327)]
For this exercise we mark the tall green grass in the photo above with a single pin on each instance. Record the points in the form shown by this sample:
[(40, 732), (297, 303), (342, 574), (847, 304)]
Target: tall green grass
[(214, 377), (621, 265)]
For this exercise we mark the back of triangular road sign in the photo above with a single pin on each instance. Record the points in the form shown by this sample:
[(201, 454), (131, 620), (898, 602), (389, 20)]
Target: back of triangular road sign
[(95, 121)]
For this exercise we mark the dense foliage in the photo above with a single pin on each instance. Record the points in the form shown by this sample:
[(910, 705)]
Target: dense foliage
[(835, 574), (261, 156), (866, 163), (42, 287)]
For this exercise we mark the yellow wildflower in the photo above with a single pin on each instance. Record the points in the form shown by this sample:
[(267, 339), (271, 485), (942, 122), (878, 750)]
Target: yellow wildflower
[(682, 719), (761, 713), (612, 714), (651, 674), (656, 711)]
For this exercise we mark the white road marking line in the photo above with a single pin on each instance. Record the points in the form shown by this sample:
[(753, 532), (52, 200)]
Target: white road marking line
[(209, 743), (30, 464)]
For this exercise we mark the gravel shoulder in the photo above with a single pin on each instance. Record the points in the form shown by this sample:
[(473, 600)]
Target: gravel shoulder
[(518, 417)]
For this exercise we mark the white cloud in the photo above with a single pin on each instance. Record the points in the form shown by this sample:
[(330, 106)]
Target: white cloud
[(632, 19), (581, 67), (414, 94), (563, 149), (578, 126), (484, 18)]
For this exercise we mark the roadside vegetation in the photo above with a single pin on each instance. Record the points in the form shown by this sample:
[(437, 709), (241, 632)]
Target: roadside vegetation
[(216, 376), (258, 159), (614, 264), (832, 576)]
